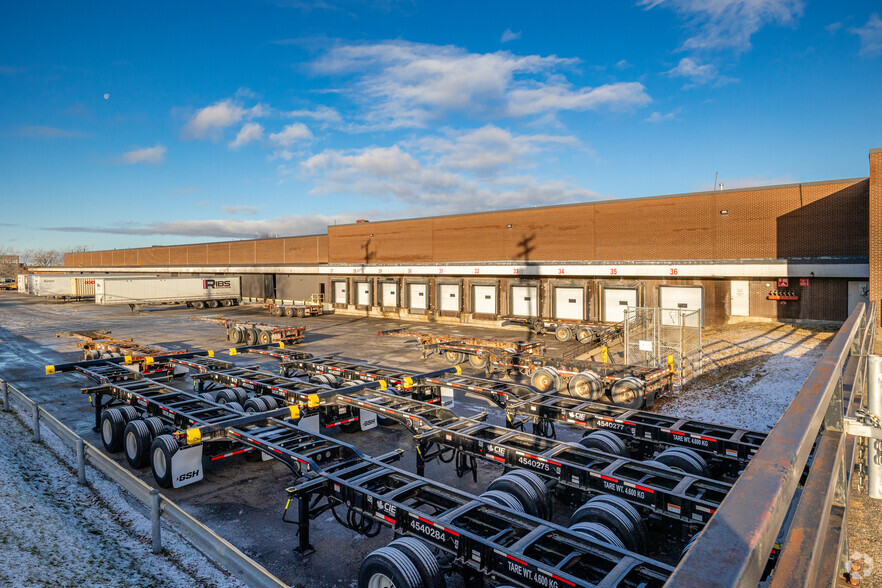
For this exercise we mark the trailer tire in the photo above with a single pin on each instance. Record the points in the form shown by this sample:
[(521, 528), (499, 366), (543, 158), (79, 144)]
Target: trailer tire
[(136, 442), (289, 311), (235, 406), (240, 335), (683, 459), (689, 544), (563, 333), (276, 311), (226, 302), (387, 567), (524, 491), (199, 304), (606, 442), (454, 357), (627, 393), (538, 485), (504, 499), (254, 405), (546, 379), (422, 557), (479, 360), (227, 395), (585, 335), (213, 304), (270, 402), (301, 312), (155, 425), (112, 427), (161, 451), (252, 336), (585, 385), (599, 532), (619, 516), (265, 337), (129, 413)]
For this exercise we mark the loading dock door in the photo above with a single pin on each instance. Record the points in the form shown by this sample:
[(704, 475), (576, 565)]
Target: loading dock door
[(615, 301), (340, 293), (389, 293), (524, 300), (363, 293), (740, 297), (675, 297), (484, 299), (857, 292), (569, 303), (417, 296), (448, 295)]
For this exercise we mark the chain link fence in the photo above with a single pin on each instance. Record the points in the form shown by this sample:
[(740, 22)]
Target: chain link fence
[(655, 336)]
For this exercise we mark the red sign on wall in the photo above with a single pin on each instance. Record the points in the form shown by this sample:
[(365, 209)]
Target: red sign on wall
[(783, 282), (803, 281)]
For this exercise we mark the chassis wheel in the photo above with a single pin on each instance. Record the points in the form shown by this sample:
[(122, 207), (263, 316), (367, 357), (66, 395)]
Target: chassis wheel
[(213, 303), (530, 498), (112, 427), (606, 442), (265, 337), (454, 357), (627, 393), (289, 311), (600, 532), (161, 451), (546, 379), (388, 567), (479, 360), (137, 440), (503, 499), (563, 333), (226, 302), (585, 335), (585, 385), (301, 312), (617, 515), (423, 559), (684, 460), (252, 336)]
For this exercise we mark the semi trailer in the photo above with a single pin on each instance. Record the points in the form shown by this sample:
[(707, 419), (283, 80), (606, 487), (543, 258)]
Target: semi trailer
[(201, 292)]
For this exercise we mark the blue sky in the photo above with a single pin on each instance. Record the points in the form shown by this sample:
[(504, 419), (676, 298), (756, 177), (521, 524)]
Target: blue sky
[(129, 125)]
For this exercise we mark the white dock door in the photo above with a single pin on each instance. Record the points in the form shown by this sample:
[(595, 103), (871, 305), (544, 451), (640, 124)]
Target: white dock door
[(389, 292), (340, 293), (417, 294), (569, 303), (615, 301), (484, 299), (680, 298), (524, 300), (739, 297), (448, 297), (363, 293)]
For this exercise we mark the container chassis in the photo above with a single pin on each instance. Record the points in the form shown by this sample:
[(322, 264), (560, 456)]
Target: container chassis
[(587, 333), (241, 331)]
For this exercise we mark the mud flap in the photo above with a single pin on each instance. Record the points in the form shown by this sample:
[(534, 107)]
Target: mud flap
[(310, 424), (446, 397), (186, 465), (367, 420)]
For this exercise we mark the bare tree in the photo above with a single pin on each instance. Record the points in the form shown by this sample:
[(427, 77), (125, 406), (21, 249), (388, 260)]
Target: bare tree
[(9, 260), (44, 257)]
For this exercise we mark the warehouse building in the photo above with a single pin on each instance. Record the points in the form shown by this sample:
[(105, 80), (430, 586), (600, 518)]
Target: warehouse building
[(807, 251)]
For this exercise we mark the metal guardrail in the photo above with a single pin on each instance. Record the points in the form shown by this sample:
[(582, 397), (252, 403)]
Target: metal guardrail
[(733, 550), (210, 543)]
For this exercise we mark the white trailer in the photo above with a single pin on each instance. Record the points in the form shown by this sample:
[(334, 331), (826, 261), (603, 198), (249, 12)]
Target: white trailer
[(201, 292), (52, 285)]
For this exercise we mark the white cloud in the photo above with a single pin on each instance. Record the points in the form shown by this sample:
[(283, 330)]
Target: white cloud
[(871, 36), (290, 134), (153, 155), (509, 35), (657, 117), (248, 133), (699, 74), (728, 24), (240, 209), (834, 27), (323, 114), (209, 122), (622, 64), (446, 181), (410, 84)]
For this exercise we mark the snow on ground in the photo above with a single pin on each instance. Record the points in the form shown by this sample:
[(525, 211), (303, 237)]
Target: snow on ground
[(55, 532), (752, 372)]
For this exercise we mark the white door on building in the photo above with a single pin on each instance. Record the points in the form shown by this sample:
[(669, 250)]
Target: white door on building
[(484, 299), (417, 294), (448, 297), (363, 293), (340, 293), (615, 301), (739, 298), (524, 300), (857, 292), (569, 303), (389, 293), (680, 298)]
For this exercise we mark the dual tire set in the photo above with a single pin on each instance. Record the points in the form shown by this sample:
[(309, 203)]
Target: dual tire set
[(144, 440), (627, 392), (288, 311), (681, 459), (200, 304), (249, 335)]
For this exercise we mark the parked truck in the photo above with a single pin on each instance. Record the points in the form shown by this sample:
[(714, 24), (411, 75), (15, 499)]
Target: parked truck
[(201, 292)]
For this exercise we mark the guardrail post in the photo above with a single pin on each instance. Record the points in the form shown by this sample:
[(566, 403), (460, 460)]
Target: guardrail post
[(5, 388), (36, 413), (81, 461), (874, 400), (154, 520)]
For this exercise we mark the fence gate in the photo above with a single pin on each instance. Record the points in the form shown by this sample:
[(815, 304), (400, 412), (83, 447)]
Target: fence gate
[(650, 339)]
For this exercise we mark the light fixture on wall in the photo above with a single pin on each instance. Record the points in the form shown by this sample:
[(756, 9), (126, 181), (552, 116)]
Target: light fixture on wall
[(724, 211), (509, 226)]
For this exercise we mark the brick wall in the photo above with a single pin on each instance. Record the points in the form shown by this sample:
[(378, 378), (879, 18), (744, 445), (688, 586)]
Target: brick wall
[(875, 237)]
